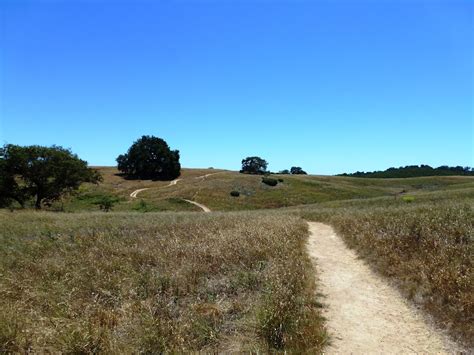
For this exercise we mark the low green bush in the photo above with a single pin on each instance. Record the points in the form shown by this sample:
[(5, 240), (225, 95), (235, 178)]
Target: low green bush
[(106, 202), (269, 181), (235, 193)]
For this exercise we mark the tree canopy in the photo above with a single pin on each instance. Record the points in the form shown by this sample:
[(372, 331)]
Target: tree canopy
[(296, 170), (42, 173), (254, 165), (150, 158), (415, 171)]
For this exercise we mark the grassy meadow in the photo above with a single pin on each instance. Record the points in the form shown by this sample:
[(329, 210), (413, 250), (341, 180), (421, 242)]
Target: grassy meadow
[(233, 280), (129, 282)]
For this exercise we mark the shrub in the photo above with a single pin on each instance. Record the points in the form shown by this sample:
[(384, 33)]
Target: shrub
[(106, 202), (280, 180), (269, 181), (408, 199), (235, 193), (142, 207)]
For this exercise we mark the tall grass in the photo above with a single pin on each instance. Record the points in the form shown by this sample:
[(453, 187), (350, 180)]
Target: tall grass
[(426, 249), (118, 282)]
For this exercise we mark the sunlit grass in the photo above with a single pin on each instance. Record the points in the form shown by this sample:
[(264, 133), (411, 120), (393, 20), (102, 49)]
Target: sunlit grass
[(129, 282)]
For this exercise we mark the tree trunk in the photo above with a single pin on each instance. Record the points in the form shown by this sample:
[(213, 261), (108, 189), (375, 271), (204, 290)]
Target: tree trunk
[(38, 202)]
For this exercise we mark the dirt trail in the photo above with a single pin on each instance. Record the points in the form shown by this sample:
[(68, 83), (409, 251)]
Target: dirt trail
[(135, 193), (201, 206), (364, 314), (174, 182)]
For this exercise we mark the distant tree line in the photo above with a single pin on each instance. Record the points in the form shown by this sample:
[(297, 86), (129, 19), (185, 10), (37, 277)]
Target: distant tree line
[(414, 171), (295, 170)]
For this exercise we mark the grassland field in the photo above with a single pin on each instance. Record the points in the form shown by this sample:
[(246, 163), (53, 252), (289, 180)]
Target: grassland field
[(232, 280), (214, 191)]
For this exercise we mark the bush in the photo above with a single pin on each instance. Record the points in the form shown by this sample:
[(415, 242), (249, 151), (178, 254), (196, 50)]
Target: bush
[(142, 206), (280, 180), (408, 199), (270, 181), (235, 193), (106, 202)]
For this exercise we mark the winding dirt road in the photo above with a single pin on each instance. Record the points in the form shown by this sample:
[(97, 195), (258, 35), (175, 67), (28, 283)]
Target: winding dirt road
[(364, 314), (174, 182), (201, 206), (136, 192)]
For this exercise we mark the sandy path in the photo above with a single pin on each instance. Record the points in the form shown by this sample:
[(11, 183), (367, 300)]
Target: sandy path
[(174, 182), (201, 206), (364, 314), (135, 193)]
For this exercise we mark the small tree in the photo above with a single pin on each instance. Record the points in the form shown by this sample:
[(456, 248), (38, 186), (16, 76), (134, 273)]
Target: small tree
[(150, 158), (296, 170), (106, 203), (284, 172), (254, 165), (42, 173)]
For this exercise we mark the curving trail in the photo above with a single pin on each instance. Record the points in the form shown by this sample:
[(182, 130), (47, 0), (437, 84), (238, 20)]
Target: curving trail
[(135, 193), (173, 182), (201, 206), (364, 314)]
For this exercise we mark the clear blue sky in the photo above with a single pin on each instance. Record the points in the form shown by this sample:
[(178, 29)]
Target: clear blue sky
[(332, 86)]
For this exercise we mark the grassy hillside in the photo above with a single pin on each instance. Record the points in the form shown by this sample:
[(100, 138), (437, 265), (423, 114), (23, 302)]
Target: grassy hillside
[(127, 282), (214, 190), (124, 282)]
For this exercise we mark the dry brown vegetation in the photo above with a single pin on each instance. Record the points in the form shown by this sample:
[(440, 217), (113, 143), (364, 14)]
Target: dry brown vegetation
[(426, 249), (124, 282), (130, 282)]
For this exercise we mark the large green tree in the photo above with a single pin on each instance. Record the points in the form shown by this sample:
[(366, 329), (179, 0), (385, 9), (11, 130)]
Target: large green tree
[(296, 170), (254, 165), (150, 158), (40, 173)]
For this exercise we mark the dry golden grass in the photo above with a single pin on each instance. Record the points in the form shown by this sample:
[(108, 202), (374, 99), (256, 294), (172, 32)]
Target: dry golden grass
[(426, 249), (124, 282)]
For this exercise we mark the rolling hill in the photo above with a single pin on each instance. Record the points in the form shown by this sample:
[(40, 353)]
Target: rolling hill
[(212, 187)]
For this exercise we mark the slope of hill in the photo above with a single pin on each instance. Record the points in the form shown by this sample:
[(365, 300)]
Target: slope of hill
[(212, 187)]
